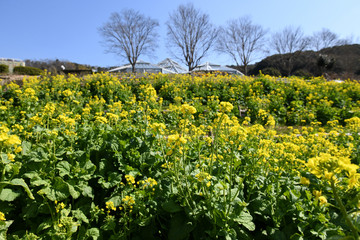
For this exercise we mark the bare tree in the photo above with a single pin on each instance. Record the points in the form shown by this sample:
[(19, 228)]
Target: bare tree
[(346, 41), (323, 39), (190, 34), (240, 39), (289, 42), (130, 34)]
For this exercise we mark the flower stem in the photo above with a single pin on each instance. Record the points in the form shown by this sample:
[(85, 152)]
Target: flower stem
[(344, 213)]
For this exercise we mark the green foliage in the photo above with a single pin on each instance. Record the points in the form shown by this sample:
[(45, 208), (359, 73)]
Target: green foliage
[(334, 62), (303, 73), (4, 68), (173, 157), (27, 71), (271, 71)]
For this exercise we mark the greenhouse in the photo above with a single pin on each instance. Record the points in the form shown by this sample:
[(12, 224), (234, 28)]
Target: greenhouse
[(210, 67), (140, 67), (170, 66)]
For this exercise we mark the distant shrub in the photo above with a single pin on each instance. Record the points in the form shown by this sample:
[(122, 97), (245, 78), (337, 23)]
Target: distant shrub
[(303, 73), (271, 71), (4, 68), (27, 70)]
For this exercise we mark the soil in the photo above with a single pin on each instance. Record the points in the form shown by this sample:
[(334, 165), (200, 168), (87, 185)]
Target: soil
[(6, 79)]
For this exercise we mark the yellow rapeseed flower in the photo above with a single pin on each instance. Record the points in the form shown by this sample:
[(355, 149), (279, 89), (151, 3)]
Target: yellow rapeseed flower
[(226, 107), (316, 194), (304, 181), (110, 206), (187, 109), (130, 179), (128, 200), (322, 200), (13, 140), (201, 176), (2, 216)]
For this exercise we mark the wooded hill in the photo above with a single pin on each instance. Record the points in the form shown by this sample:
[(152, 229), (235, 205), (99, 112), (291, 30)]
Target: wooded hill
[(336, 62)]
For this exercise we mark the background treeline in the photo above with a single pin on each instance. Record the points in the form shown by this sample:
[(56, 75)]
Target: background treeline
[(334, 62), (58, 66)]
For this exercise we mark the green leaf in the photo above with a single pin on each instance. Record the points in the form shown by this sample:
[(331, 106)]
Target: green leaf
[(79, 215), (9, 195), (116, 200), (20, 182), (87, 192), (16, 168), (3, 229), (245, 219), (296, 236), (4, 158), (171, 206), (58, 191), (75, 194), (40, 182), (93, 233), (64, 168), (180, 227), (26, 146), (44, 225)]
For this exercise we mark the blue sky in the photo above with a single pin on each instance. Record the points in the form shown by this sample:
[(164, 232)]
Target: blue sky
[(68, 29)]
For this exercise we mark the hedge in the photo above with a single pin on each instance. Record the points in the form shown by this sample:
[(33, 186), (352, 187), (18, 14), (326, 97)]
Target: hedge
[(27, 70), (4, 68)]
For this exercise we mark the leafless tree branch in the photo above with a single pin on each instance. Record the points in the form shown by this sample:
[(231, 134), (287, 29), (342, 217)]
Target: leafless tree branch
[(288, 43), (130, 34), (190, 34), (240, 39)]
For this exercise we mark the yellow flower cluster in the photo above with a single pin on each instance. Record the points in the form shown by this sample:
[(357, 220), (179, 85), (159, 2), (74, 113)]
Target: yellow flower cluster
[(226, 107), (148, 183), (130, 179), (9, 143), (177, 139), (59, 206), (186, 109), (128, 200), (110, 206), (201, 176), (331, 167), (158, 127), (319, 197)]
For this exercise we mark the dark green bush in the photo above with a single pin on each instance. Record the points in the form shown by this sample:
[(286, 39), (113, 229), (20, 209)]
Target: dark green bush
[(27, 70), (4, 68), (303, 73), (271, 71)]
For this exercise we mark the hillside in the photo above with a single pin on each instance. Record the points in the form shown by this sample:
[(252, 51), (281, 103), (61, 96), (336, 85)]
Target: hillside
[(335, 62)]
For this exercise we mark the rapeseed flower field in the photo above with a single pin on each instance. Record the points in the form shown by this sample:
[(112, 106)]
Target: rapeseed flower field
[(179, 157)]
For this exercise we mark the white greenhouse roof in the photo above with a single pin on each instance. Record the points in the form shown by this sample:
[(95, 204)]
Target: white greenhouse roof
[(216, 67), (140, 65), (170, 66)]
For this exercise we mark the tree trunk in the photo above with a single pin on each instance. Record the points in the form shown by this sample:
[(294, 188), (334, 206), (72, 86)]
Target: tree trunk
[(133, 68)]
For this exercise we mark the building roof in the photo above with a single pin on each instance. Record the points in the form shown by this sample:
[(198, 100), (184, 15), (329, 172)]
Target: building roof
[(216, 67), (170, 66), (140, 65)]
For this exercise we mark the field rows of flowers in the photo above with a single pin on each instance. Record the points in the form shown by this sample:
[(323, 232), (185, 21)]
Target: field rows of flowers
[(179, 157)]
